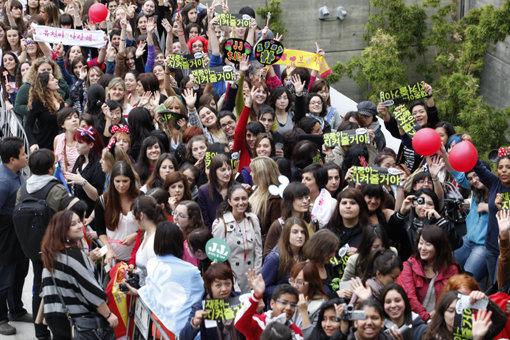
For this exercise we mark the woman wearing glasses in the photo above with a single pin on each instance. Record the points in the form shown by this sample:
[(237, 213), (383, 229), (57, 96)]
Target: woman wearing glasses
[(279, 262), (188, 217), (305, 278)]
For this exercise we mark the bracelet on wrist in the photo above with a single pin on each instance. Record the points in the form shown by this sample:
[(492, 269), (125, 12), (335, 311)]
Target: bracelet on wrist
[(108, 316), (429, 96)]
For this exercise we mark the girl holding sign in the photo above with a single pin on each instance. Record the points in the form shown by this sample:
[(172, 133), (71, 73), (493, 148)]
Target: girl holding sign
[(219, 284), (241, 229)]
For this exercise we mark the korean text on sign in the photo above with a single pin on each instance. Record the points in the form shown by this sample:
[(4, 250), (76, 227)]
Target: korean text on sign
[(214, 74), (221, 309), (234, 20), (348, 137), (406, 121), (375, 175), (187, 61), (405, 93)]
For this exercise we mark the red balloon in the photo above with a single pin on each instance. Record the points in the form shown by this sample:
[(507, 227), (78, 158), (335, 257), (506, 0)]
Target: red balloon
[(426, 142), (463, 156), (98, 13)]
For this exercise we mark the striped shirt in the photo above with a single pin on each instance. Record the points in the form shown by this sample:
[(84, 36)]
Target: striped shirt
[(74, 276)]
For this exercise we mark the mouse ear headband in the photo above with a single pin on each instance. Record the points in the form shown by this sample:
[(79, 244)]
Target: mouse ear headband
[(278, 190)]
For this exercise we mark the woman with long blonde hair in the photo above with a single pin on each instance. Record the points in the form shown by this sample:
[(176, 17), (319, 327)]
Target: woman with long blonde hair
[(43, 103), (266, 206)]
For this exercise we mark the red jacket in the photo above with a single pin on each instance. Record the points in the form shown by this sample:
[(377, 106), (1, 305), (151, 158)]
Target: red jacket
[(252, 325), (240, 139), (415, 283)]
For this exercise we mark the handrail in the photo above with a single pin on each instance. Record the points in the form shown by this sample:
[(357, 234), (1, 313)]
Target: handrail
[(144, 323)]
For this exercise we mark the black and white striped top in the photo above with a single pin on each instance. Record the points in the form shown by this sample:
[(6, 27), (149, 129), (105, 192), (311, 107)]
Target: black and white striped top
[(77, 283)]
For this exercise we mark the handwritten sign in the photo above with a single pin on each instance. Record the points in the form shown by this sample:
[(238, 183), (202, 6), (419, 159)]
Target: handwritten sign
[(217, 250), (375, 175), (404, 94), (213, 74), (463, 325), (347, 137), (234, 49), (186, 61), (222, 309), (406, 121), (234, 20), (69, 37), (268, 51), (166, 115), (505, 205), (233, 156), (305, 59)]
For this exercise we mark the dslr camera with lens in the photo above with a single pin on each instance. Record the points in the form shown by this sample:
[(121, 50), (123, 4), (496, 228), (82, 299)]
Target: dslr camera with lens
[(133, 280)]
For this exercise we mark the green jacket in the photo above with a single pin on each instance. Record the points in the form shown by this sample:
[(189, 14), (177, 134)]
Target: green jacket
[(21, 104)]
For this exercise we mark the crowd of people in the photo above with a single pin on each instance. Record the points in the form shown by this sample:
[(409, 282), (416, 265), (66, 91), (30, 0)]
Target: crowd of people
[(313, 254)]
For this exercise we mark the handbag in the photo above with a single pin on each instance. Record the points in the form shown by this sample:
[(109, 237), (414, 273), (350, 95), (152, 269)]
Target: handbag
[(92, 326)]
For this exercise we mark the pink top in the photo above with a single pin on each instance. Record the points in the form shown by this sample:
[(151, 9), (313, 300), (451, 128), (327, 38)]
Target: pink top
[(187, 257), (67, 158)]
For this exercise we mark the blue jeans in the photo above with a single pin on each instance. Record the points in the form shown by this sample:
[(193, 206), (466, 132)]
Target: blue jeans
[(472, 257), (492, 259), (12, 278)]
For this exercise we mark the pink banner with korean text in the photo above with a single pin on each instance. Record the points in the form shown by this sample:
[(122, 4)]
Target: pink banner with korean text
[(69, 37), (305, 59)]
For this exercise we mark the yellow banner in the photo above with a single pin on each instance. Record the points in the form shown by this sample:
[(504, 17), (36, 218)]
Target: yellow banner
[(305, 59)]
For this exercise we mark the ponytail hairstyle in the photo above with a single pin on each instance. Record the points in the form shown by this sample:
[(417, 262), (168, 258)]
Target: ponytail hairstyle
[(149, 207)]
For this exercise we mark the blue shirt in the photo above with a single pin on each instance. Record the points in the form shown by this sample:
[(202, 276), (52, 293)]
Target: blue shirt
[(9, 185)]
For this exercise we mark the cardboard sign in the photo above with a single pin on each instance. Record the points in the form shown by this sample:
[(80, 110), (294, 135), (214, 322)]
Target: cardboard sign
[(186, 61), (403, 94), (217, 250), (505, 205), (234, 49), (167, 115), (347, 137), (463, 324), (234, 20), (233, 156), (214, 74), (305, 59), (268, 51), (222, 309), (375, 175), (406, 121)]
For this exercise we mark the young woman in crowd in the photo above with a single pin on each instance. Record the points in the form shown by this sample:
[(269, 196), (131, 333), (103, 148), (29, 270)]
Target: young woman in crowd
[(165, 165), (86, 177), (431, 266), (177, 186), (241, 230), (68, 269), (278, 264), (265, 205), (211, 195), (64, 144), (146, 215), (295, 202), (114, 221), (149, 154), (320, 249), (188, 217)]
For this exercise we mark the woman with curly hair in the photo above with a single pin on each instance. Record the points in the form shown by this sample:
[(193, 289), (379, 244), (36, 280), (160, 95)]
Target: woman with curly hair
[(39, 66), (43, 103)]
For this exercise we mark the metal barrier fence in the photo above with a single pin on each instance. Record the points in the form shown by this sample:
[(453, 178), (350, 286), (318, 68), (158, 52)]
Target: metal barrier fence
[(145, 326)]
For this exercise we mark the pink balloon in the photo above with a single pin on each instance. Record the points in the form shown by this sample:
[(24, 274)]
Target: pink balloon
[(426, 142), (98, 13), (463, 156)]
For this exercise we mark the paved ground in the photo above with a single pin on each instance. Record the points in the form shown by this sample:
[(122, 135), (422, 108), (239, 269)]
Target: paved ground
[(25, 331)]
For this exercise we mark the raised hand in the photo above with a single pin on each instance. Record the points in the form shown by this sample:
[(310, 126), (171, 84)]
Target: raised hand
[(363, 293), (243, 64), (299, 85), (248, 101), (481, 324), (503, 217), (166, 25), (140, 49), (256, 282), (435, 165), (190, 97), (151, 26)]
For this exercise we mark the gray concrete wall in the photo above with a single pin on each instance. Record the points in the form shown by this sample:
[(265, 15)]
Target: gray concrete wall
[(344, 39), (495, 81)]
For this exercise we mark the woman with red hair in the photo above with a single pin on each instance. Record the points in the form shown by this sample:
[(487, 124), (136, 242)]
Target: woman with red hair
[(86, 180), (197, 44)]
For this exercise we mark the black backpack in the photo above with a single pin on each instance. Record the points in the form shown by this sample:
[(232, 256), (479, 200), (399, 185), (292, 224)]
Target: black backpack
[(31, 217)]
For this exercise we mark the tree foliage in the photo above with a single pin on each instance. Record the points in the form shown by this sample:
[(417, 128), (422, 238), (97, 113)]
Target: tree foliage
[(275, 22), (397, 33)]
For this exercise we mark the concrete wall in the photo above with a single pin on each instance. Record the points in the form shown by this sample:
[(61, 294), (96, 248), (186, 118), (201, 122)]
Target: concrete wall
[(344, 39)]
